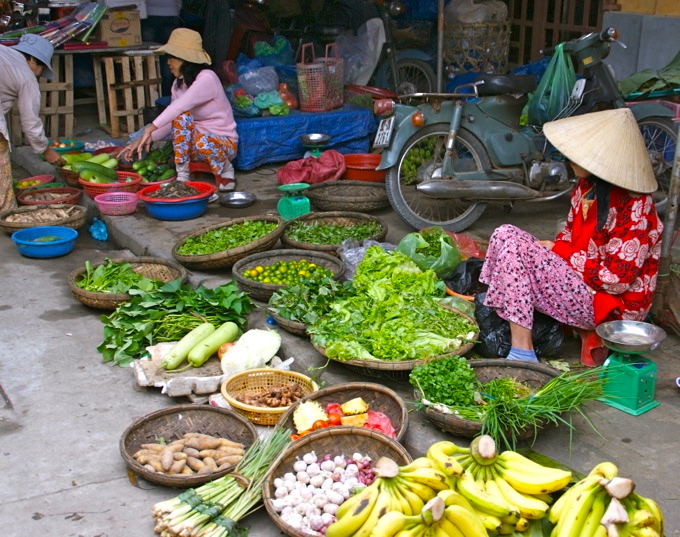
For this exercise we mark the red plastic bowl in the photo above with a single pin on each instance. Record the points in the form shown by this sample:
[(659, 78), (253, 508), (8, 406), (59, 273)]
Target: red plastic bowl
[(362, 167), (206, 190)]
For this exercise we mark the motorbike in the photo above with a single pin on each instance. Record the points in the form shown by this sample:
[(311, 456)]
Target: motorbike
[(448, 155)]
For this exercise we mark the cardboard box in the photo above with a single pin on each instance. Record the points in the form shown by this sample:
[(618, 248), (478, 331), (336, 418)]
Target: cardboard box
[(120, 28)]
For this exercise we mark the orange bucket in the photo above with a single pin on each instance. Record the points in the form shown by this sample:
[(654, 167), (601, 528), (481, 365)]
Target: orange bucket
[(362, 167)]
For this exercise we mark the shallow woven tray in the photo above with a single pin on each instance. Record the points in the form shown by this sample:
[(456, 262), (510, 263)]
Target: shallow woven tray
[(340, 218), (398, 370), (294, 327), (358, 196), (332, 441), (171, 424), (155, 268), (264, 291), (228, 257), (378, 397), (72, 196), (75, 221), (254, 381), (530, 373)]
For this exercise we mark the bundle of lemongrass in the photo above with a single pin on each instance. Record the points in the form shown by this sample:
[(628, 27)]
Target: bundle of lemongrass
[(214, 509)]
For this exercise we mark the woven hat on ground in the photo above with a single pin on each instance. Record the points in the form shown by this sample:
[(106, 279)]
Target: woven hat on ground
[(608, 144), (186, 45)]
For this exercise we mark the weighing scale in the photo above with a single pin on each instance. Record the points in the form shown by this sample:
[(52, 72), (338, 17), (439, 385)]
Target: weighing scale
[(293, 203), (314, 142), (630, 377)]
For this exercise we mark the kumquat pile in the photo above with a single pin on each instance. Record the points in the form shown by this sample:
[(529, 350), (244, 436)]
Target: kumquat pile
[(287, 272)]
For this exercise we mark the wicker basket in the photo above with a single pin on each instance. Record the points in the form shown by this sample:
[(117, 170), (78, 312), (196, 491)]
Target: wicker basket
[(378, 397), (254, 381), (155, 268), (264, 291), (332, 441), (339, 218), (481, 46), (228, 257), (171, 424), (32, 197), (294, 327), (70, 177), (359, 196), (75, 219), (398, 370), (530, 373)]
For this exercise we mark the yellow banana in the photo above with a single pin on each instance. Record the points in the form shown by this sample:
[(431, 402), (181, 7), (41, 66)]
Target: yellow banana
[(450, 529), (528, 506), (399, 501), (519, 462), (452, 497), (364, 495), (415, 502), (506, 529), (557, 509), (596, 511), (412, 530), (382, 506), (465, 520), (479, 499), (522, 524), (644, 532), (389, 524), (601, 531), (426, 493), (574, 516), (464, 460), (352, 520), (431, 477), (547, 498), (653, 507), (490, 522), (606, 470), (551, 480), (415, 464), (442, 453)]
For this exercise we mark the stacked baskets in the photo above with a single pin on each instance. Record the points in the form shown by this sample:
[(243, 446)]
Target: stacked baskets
[(344, 195)]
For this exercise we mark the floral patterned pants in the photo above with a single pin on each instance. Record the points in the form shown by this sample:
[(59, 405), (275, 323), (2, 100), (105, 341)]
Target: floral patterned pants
[(7, 198), (524, 276), (191, 145)]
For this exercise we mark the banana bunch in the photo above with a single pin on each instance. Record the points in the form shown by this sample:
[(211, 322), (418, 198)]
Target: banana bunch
[(604, 505), (446, 515), (402, 489), (507, 491)]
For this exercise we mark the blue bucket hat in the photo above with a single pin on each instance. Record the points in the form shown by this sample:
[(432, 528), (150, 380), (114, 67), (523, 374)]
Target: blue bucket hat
[(40, 48)]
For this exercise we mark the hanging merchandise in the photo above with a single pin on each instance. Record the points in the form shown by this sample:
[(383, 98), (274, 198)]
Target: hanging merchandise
[(552, 95)]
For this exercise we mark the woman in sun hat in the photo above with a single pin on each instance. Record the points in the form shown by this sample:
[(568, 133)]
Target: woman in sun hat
[(21, 65), (603, 265), (199, 117)]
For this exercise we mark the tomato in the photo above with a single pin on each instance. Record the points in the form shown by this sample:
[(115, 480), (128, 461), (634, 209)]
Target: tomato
[(334, 419), (319, 424)]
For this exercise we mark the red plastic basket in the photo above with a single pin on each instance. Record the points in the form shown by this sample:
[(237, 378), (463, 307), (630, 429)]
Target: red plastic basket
[(32, 197), (117, 203), (320, 82), (205, 189), (122, 185)]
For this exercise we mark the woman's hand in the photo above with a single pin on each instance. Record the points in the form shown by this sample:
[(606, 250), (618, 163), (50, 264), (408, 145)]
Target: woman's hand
[(548, 245), (53, 157), (141, 144)]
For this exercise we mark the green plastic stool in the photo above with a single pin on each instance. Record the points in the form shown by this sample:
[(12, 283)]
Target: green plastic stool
[(293, 203)]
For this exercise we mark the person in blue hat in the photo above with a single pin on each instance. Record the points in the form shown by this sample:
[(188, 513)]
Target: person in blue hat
[(21, 66)]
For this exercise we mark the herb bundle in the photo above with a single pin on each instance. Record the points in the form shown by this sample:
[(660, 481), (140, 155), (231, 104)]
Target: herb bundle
[(114, 277)]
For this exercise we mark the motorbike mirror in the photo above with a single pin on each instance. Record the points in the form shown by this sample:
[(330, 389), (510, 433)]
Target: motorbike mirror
[(396, 8)]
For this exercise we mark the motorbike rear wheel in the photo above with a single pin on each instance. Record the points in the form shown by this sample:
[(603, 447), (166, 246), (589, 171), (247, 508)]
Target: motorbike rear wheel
[(660, 136), (421, 160)]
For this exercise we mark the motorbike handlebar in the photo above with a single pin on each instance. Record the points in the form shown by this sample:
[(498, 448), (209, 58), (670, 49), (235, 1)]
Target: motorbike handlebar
[(606, 35)]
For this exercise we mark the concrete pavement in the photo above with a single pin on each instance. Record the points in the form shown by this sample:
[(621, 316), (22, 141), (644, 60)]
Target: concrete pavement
[(63, 410)]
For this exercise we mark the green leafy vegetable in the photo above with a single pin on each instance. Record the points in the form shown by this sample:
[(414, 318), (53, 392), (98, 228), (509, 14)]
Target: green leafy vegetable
[(226, 238), (449, 380), (308, 300), (111, 277), (316, 233)]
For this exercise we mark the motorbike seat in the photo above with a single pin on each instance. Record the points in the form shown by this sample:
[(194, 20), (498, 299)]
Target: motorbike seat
[(505, 84)]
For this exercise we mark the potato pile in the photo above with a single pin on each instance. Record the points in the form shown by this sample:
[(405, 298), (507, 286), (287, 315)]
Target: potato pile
[(193, 454), (273, 397)]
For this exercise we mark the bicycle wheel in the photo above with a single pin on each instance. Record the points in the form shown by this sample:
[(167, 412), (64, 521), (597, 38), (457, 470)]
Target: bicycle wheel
[(415, 76), (421, 160), (660, 135)]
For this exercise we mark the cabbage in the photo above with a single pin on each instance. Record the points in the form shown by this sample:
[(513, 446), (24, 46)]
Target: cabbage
[(251, 351)]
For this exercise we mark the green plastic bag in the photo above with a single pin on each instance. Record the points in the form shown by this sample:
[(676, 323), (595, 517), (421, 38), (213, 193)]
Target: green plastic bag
[(554, 89), (432, 248)]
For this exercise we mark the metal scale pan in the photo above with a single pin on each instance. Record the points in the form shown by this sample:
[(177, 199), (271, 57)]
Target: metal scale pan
[(630, 337)]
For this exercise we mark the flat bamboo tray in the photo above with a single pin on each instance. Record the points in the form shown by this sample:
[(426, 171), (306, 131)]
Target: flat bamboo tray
[(358, 196), (294, 327), (227, 258), (155, 268), (76, 218)]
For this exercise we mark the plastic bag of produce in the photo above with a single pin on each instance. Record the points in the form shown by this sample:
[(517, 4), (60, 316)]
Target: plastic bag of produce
[(433, 249)]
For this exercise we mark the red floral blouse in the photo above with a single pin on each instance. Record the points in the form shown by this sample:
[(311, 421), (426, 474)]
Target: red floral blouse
[(620, 262)]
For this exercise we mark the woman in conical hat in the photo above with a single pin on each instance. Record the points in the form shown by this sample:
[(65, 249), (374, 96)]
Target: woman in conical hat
[(603, 265)]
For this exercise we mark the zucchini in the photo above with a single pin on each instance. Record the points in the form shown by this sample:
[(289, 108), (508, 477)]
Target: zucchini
[(226, 333), (111, 163), (179, 352), (95, 169), (99, 159)]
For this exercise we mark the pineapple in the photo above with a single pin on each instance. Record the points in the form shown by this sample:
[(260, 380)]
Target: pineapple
[(354, 406), (305, 414), (357, 420)]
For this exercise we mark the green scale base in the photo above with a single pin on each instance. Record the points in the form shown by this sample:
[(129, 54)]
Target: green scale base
[(630, 383), (294, 203)]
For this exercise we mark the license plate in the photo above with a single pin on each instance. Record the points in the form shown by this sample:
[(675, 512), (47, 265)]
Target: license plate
[(384, 134)]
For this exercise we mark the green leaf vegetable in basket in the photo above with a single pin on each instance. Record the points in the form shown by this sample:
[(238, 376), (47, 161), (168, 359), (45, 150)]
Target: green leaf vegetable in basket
[(112, 277)]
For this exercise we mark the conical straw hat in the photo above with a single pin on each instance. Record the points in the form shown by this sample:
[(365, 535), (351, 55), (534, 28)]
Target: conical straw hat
[(608, 144)]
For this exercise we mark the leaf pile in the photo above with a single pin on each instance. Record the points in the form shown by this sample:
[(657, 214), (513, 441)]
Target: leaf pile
[(167, 314), (111, 277), (449, 381), (316, 233), (226, 238), (307, 301)]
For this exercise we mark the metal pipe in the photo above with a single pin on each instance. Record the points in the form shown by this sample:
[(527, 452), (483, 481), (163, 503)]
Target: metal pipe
[(481, 190), (440, 45)]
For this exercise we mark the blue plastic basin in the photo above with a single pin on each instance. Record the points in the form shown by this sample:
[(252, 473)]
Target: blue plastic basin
[(27, 244), (180, 210)]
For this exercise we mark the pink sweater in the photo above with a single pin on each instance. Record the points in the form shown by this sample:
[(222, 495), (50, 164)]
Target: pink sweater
[(206, 101)]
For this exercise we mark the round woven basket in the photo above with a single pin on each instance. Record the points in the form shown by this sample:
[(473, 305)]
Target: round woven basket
[(70, 196), (126, 182), (532, 374), (77, 214), (172, 424), (294, 327), (332, 441), (228, 257), (155, 268), (70, 177), (337, 218), (264, 291), (378, 397), (399, 370), (255, 381), (358, 196)]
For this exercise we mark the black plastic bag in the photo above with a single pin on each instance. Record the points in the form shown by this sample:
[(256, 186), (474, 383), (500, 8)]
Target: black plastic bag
[(494, 332), (465, 279)]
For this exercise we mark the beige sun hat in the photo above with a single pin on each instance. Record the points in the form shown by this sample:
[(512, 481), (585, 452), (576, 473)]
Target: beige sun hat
[(186, 45), (608, 144)]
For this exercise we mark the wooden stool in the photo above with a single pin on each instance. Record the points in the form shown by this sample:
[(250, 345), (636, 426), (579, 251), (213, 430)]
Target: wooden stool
[(132, 81)]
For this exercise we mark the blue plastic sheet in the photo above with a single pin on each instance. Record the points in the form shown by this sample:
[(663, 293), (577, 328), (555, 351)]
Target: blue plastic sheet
[(265, 140)]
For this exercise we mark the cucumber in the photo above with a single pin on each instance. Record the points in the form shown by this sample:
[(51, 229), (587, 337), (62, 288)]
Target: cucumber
[(99, 159), (95, 169), (179, 352), (167, 174), (111, 163), (226, 333)]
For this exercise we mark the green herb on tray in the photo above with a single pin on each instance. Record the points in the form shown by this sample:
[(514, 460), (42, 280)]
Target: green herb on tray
[(449, 381), (226, 238), (308, 300), (316, 233), (111, 277)]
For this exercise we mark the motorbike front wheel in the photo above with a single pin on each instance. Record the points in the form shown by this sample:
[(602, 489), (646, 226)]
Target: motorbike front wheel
[(420, 160), (415, 76), (660, 136)]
